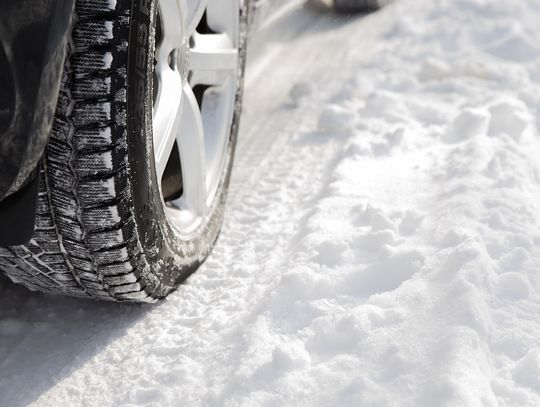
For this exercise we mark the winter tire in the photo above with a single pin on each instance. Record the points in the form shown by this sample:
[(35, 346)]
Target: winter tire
[(135, 176), (351, 6)]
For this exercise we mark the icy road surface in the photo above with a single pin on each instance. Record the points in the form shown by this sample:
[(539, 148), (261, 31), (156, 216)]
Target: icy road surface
[(381, 246)]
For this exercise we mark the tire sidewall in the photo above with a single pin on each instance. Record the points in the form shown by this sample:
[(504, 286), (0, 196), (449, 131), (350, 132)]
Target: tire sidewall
[(168, 258)]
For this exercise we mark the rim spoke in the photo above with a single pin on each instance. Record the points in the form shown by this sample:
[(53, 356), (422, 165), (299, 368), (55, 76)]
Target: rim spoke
[(172, 33), (192, 153), (213, 59), (165, 127), (221, 16), (193, 11)]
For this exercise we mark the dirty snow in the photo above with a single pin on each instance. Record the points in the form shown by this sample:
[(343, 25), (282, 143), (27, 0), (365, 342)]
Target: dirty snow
[(381, 243)]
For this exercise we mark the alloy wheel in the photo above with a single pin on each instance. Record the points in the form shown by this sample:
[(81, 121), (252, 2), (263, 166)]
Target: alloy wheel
[(195, 86)]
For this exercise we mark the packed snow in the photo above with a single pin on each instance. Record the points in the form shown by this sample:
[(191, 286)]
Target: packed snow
[(381, 246)]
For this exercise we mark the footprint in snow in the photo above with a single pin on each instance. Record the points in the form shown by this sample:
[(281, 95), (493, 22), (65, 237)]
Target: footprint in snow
[(387, 143), (336, 119), (511, 344), (493, 169), (514, 260), (394, 363), (527, 370), (385, 274), (510, 117), (517, 47), (330, 253), (468, 124), (460, 255), (300, 92), (367, 215), (513, 286), (410, 223)]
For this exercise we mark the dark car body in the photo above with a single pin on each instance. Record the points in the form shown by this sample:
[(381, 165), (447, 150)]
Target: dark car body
[(32, 52), (32, 37)]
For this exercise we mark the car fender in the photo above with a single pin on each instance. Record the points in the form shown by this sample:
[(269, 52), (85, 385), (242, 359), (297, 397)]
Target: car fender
[(33, 36)]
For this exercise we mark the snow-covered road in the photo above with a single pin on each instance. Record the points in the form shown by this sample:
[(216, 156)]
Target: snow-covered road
[(381, 246)]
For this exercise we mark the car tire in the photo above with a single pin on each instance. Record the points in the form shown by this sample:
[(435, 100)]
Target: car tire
[(102, 227), (352, 6)]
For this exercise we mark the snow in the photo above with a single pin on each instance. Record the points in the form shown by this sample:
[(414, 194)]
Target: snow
[(107, 60), (381, 242)]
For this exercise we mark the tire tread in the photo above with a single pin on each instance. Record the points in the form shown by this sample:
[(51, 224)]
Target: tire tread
[(85, 241)]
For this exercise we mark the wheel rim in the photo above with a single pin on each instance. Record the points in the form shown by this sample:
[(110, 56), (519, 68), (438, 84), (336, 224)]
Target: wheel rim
[(195, 82)]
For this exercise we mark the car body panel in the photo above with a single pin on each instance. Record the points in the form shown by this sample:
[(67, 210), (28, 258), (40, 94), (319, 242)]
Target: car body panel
[(32, 52)]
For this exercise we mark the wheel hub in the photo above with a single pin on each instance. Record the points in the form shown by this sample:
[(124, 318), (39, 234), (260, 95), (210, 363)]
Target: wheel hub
[(179, 60), (184, 61)]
